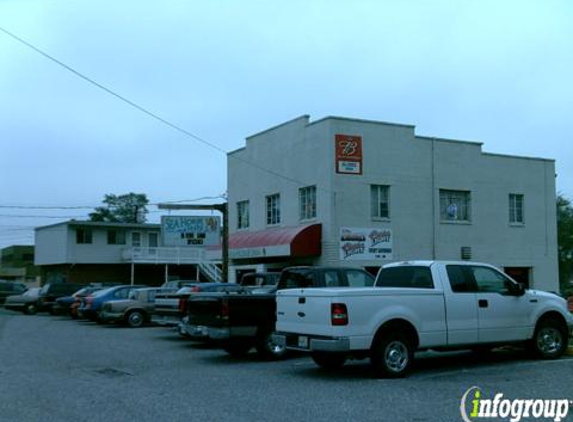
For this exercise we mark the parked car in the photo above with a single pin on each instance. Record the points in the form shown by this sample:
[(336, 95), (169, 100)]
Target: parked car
[(52, 291), (170, 307), (133, 311), (10, 288), (26, 302), (421, 305), (243, 320), (91, 304), (263, 281), (63, 305)]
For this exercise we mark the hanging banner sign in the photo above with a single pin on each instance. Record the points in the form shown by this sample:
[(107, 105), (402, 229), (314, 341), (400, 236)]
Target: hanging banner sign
[(348, 150), (365, 244)]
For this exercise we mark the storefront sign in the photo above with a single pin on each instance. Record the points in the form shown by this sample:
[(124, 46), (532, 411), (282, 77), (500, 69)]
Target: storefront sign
[(190, 231), (348, 154), (365, 244)]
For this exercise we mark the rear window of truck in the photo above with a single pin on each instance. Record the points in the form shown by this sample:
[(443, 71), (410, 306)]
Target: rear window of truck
[(406, 277)]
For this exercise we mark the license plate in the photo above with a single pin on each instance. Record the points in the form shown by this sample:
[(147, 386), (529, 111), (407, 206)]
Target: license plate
[(303, 342)]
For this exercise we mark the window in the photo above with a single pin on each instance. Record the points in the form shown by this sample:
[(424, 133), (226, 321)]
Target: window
[(406, 276), (115, 237), (331, 278), (359, 279), (516, 208), (455, 205), (152, 241), (83, 236), (136, 239), (380, 201), (307, 202), (242, 214), (459, 281), (273, 209), (490, 281)]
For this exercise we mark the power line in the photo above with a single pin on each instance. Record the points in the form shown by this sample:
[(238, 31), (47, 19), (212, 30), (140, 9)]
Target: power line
[(150, 113)]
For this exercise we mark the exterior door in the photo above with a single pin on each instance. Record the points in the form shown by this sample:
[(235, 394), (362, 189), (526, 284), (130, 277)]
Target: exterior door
[(502, 315)]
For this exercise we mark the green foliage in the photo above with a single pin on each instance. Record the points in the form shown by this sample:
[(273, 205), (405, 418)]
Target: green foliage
[(565, 243), (128, 208)]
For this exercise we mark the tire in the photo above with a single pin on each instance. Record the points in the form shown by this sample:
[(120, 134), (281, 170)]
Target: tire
[(267, 348), (329, 360), (135, 319), (392, 355), (30, 309), (550, 339), (238, 348)]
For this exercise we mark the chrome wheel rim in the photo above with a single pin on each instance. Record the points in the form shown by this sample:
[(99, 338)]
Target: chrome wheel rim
[(135, 319), (274, 348), (549, 340), (396, 356)]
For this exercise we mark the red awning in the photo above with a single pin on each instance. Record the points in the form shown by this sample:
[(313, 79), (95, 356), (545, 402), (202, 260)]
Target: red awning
[(280, 241)]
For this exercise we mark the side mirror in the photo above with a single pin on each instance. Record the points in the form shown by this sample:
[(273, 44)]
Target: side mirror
[(517, 289)]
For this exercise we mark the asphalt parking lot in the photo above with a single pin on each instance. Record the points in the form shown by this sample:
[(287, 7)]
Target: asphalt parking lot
[(57, 369)]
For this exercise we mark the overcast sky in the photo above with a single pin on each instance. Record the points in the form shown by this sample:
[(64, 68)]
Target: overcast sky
[(498, 72)]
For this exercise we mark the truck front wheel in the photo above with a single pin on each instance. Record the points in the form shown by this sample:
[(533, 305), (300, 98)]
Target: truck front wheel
[(392, 355), (549, 340), (329, 360)]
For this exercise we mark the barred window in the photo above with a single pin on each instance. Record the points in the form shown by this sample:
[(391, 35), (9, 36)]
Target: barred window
[(273, 209), (307, 202), (455, 205), (242, 214), (516, 208), (380, 201)]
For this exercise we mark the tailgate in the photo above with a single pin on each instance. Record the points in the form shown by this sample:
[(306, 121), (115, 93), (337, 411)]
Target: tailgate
[(304, 311), (205, 310)]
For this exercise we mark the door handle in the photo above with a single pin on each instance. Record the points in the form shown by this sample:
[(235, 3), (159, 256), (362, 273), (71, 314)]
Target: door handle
[(482, 303), (301, 300)]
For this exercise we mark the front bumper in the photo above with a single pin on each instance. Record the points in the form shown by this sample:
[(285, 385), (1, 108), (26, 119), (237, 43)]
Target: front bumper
[(106, 316), (312, 343)]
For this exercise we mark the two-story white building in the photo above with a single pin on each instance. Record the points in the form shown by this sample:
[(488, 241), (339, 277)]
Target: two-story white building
[(341, 191), (93, 252)]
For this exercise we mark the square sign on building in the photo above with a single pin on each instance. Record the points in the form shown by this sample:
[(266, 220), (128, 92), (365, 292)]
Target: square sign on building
[(191, 230)]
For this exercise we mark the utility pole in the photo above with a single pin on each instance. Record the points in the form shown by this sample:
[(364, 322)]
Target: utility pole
[(224, 210)]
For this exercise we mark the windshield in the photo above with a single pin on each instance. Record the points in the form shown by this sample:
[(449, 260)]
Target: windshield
[(32, 292), (103, 292)]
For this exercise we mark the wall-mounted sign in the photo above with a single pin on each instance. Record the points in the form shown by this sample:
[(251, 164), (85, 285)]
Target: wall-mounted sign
[(348, 152), (190, 231), (365, 244)]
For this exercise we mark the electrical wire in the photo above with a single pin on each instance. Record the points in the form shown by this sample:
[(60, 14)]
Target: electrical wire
[(152, 114)]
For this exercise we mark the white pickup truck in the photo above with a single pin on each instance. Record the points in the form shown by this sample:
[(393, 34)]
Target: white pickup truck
[(421, 305)]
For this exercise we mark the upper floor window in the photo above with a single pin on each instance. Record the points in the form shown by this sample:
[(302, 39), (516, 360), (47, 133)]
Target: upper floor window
[(84, 236), (242, 214), (307, 202), (115, 237), (136, 239), (516, 208), (455, 205), (380, 201), (273, 209)]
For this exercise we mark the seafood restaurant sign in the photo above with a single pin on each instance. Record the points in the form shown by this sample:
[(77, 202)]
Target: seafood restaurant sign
[(365, 244), (190, 231)]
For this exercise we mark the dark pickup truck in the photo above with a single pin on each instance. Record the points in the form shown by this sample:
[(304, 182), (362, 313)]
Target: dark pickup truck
[(246, 319)]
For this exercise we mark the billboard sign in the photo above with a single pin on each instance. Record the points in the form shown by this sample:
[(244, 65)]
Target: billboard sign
[(348, 151), (365, 244), (190, 230)]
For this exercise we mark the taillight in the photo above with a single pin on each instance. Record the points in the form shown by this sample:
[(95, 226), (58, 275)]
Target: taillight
[(225, 309), (182, 305), (338, 314)]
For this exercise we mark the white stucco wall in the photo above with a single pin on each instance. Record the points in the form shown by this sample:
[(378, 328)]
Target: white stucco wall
[(415, 168)]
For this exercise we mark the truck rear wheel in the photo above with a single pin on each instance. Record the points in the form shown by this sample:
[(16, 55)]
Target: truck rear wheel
[(238, 348), (329, 360), (392, 355), (550, 339), (267, 348)]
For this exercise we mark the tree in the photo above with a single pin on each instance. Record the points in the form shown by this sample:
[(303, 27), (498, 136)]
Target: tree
[(565, 242), (128, 208)]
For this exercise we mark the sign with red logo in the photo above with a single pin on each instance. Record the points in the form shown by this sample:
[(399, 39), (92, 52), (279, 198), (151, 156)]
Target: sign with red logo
[(348, 154)]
